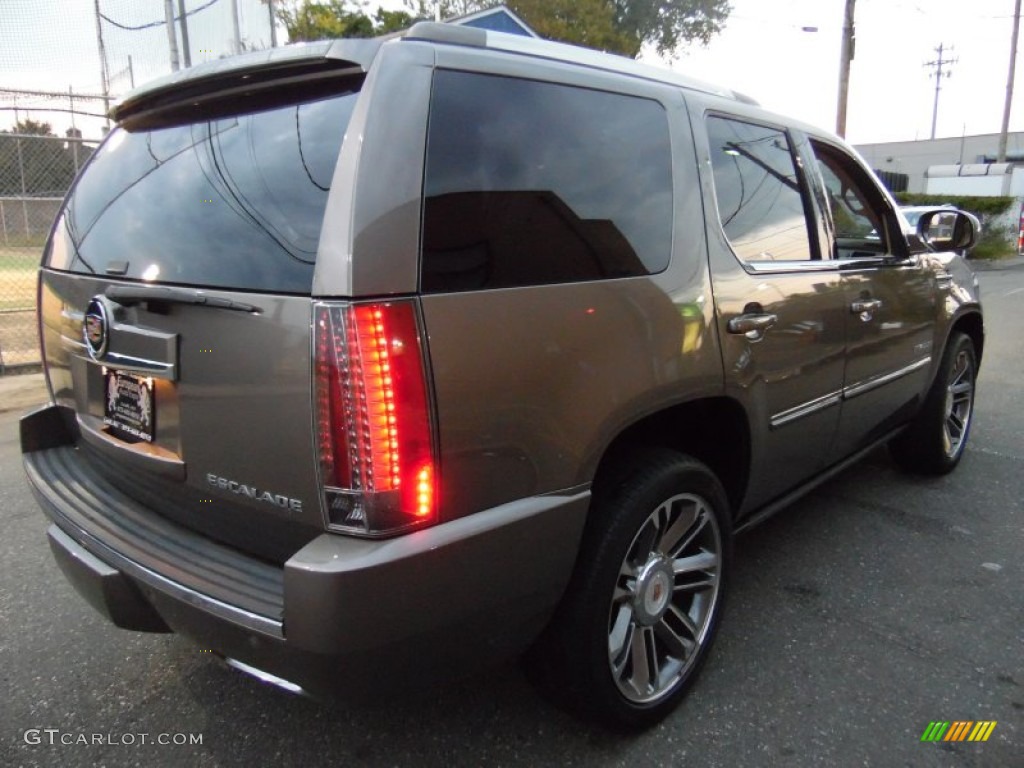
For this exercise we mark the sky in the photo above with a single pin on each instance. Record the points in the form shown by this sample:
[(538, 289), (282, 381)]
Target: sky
[(51, 45), (763, 52)]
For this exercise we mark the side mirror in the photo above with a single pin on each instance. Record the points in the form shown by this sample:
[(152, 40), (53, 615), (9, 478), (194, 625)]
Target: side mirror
[(946, 230)]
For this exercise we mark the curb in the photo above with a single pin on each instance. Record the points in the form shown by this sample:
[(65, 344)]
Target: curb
[(996, 265)]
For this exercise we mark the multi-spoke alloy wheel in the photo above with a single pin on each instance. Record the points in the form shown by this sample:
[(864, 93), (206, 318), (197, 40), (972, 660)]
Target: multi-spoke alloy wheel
[(664, 598), (641, 611), (959, 403), (934, 442)]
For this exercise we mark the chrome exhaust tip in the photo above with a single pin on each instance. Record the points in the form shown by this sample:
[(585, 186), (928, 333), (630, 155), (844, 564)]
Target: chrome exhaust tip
[(265, 677)]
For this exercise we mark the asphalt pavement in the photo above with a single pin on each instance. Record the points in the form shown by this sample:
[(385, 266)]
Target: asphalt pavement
[(876, 605)]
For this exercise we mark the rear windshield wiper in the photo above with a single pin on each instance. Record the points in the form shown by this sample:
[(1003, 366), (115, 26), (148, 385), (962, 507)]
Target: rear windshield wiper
[(128, 296)]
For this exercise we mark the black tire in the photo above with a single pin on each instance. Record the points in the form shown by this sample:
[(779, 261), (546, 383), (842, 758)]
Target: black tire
[(662, 508), (935, 441)]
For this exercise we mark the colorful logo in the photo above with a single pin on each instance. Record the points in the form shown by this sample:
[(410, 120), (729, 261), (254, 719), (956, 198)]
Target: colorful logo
[(958, 730)]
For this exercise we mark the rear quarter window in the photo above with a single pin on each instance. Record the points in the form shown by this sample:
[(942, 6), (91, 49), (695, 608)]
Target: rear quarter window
[(758, 192), (531, 183), (235, 202)]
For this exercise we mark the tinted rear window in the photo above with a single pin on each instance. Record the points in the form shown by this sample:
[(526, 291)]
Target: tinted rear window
[(236, 202), (530, 183)]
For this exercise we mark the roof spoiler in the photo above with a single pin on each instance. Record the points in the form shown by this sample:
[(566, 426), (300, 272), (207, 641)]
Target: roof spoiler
[(245, 76)]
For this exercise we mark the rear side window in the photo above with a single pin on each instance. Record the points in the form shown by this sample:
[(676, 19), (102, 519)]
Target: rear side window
[(235, 202), (758, 192), (530, 183)]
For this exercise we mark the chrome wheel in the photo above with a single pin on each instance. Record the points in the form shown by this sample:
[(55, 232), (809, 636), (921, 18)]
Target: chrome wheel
[(959, 404), (664, 598)]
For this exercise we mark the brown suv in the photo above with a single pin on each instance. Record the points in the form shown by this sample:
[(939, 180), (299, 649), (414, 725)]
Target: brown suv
[(380, 360)]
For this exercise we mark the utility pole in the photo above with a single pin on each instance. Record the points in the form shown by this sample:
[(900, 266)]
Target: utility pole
[(183, 21), (172, 39), (1009, 85), (236, 44), (939, 63), (273, 24), (104, 73), (846, 53)]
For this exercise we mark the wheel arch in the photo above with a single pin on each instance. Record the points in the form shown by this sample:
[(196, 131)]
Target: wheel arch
[(970, 322), (714, 431)]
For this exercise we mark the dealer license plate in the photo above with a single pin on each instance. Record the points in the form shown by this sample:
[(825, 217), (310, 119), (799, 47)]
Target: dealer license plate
[(129, 405)]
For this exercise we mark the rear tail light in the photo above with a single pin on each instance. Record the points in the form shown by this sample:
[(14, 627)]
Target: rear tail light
[(374, 435)]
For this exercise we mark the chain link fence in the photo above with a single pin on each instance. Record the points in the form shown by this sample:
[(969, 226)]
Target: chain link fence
[(35, 172), (61, 66)]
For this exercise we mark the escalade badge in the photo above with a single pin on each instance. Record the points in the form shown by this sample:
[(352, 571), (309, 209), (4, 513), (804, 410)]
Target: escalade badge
[(256, 494), (96, 328)]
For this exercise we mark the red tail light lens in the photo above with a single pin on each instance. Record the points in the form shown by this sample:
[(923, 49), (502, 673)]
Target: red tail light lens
[(373, 421)]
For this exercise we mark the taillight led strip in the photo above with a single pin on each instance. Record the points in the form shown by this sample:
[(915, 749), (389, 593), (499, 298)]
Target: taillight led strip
[(380, 445)]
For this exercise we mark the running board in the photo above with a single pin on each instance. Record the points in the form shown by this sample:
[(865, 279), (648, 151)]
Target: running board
[(787, 499)]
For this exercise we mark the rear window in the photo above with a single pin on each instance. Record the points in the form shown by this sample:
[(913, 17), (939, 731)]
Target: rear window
[(235, 202), (530, 183)]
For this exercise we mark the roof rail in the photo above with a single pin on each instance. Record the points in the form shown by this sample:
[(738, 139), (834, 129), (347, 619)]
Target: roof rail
[(453, 34)]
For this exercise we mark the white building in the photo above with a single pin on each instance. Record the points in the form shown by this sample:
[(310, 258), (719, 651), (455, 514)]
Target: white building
[(914, 158)]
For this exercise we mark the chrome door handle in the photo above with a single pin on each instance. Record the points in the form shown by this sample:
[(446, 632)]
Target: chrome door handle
[(865, 305), (752, 326)]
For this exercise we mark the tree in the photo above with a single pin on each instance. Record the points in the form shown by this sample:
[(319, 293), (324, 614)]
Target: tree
[(386, 22), (36, 167), (311, 20), (30, 127), (618, 26), (590, 23), (668, 23)]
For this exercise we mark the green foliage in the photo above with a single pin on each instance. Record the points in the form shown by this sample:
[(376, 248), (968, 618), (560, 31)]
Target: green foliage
[(983, 207), (308, 20), (996, 242), (993, 245), (623, 26), (590, 23), (29, 127), (668, 23), (617, 26), (386, 22), (42, 167)]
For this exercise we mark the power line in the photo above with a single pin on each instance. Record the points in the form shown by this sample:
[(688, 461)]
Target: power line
[(159, 23)]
